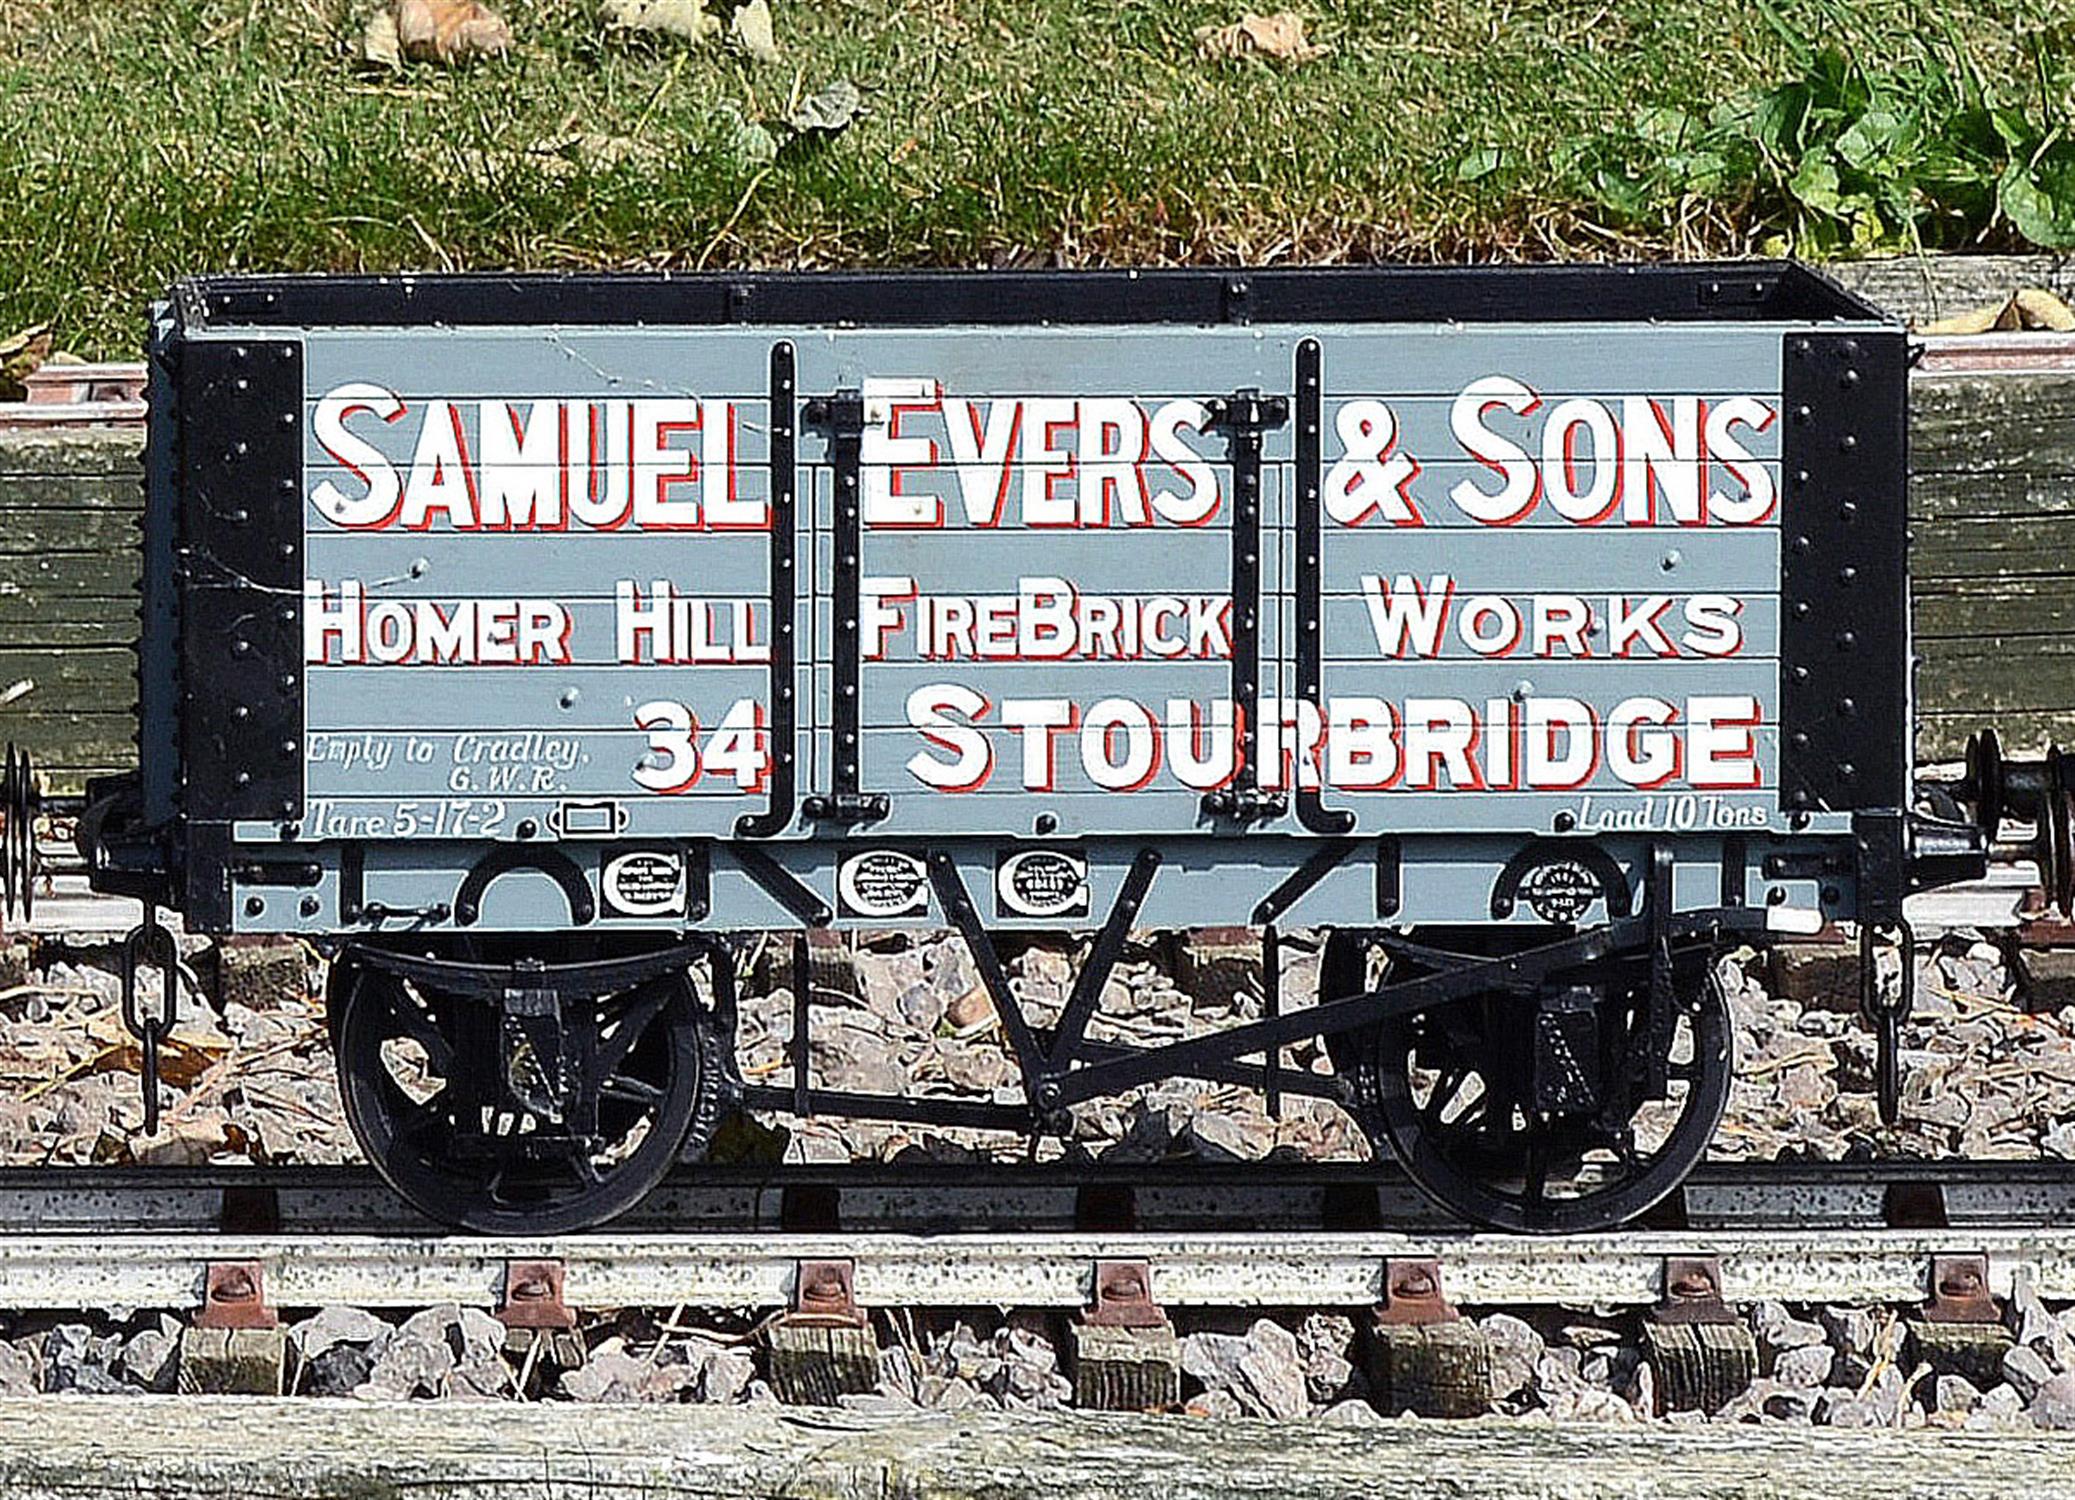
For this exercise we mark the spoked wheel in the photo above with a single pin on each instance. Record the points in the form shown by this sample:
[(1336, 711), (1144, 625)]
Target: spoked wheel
[(1544, 1110), (453, 1107)]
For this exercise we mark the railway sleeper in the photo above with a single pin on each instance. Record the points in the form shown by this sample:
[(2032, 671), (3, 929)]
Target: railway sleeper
[(1702, 1355), (1424, 1356), (823, 1348), (1122, 1352), (1960, 1329)]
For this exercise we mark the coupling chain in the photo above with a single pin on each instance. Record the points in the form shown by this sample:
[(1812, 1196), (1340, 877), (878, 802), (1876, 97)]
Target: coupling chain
[(151, 944)]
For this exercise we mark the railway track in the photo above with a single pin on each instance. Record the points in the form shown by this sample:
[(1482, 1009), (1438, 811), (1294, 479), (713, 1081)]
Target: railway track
[(1028, 1237)]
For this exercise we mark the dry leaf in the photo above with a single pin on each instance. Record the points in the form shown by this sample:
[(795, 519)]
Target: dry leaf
[(2039, 308), (751, 28), (2032, 308), (379, 45), (183, 1058), (829, 111), (1280, 36), (680, 18), (450, 31), (20, 354)]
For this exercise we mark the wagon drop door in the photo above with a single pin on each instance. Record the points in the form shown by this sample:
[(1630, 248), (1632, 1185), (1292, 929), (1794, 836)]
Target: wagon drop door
[(1539, 587), (1040, 563), (547, 583)]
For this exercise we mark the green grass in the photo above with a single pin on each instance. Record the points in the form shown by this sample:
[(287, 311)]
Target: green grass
[(151, 138)]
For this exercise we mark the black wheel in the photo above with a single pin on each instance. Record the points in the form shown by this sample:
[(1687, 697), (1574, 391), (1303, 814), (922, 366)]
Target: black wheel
[(422, 1078), (1453, 1095)]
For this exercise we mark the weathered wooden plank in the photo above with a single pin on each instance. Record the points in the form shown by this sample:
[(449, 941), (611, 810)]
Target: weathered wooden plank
[(116, 627), (103, 452), (90, 677), (48, 580), (67, 529), (121, 491), (1943, 736), (1936, 494), (1993, 424), (185, 1448), (1991, 677), (2010, 617), (1993, 546), (67, 747)]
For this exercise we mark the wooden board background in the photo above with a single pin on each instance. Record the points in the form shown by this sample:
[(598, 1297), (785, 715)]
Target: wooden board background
[(1993, 502), (69, 508), (204, 1448)]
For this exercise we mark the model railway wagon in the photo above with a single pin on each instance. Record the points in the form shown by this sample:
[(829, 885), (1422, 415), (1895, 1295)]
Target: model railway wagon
[(1535, 633)]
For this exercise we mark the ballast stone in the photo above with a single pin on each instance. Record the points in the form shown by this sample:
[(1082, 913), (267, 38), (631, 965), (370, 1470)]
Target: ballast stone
[(1807, 1366), (333, 1326), (151, 1357), (1261, 1369), (2026, 1370), (2053, 1404), (1516, 1349)]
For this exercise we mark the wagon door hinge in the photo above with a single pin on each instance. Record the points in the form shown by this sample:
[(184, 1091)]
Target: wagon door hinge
[(1308, 576), (844, 415), (784, 586), (1244, 416)]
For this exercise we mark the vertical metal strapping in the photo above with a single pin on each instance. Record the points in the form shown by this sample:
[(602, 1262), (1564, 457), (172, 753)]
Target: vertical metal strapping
[(1845, 733), (158, 609), (1312, 813), (1243, 415), (239, 576), (847, 418), (784, 731)]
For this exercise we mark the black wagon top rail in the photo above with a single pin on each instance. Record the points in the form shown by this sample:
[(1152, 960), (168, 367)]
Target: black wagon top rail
[(1752, 291)]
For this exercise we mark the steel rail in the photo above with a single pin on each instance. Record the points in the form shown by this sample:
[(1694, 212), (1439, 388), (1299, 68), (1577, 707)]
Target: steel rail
[(1247, 1235), (1037, 1199), (1282, 1269)]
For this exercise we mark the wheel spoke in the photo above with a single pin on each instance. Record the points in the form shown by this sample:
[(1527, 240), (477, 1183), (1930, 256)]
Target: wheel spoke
[(627, 1028), (1536, 1170), (420, 1125), (1495, 1158), (418, 1024), (630, 1090)]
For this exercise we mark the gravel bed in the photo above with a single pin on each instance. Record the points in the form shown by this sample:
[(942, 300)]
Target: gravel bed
[(1989, 1071), (1838, 1366), (1988, 1061)]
